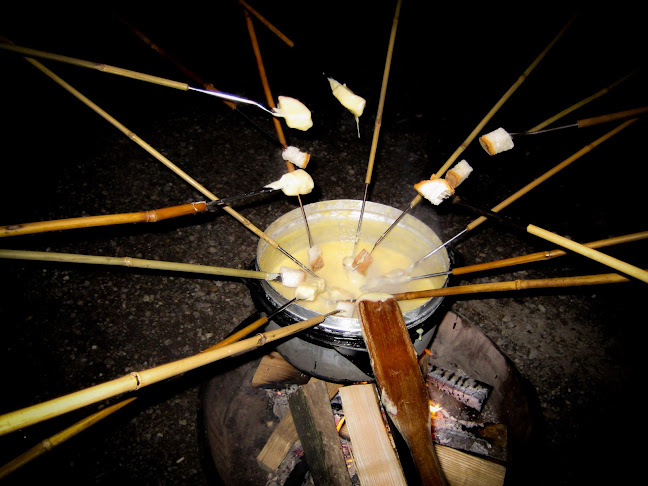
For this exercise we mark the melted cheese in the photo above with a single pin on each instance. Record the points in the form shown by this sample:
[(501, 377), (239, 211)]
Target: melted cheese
[(343, 283)]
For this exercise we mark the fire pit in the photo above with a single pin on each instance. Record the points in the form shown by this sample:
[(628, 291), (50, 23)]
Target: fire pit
[(239, 417)]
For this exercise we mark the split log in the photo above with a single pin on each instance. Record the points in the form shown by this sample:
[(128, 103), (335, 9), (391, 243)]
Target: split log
[(315, 424), (284, 436), (274, 371), (462, 469), (398, 376), (374, 455)]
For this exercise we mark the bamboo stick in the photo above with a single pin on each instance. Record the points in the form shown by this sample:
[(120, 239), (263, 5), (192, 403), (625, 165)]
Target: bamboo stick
[(136, 380), (205, 84), (132, 262), (378, 122), (579, 248), (270, 101), (581, 103), (244, 221), (133, 75), (48, 444), (150, 216), (530, 186), (546, 255), (517, 195), (455, 155), (591, 253), (157, 48), (236, 336), (265, 22), (607, 278), (131, 135), (25, 51), (497, 106), (588, 122)]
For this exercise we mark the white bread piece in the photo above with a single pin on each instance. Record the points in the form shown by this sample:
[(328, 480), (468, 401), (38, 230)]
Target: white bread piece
[(294, 183), (351, 101), (295, 156), (310, 289), (434, 190), (347, 309), (292, 277), (496, 141), (362, 262), (458, 173), (296, 114), (315, 259)]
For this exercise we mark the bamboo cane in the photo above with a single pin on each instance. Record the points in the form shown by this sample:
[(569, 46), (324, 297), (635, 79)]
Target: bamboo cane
[(271, 104), (57, 439), (589, 122), (577, 247), (378, 122), (586, 149), (47, 444), (244, 221), (545, 255), (25, 51), (589, 253), (150, 216), (607, 278), (236, 336), (455, 155), (157, 48), (265, 22), (138, 379), (514, 197), (169, 83), (581, 103), (205, 84), (499, 104), (133, 262)]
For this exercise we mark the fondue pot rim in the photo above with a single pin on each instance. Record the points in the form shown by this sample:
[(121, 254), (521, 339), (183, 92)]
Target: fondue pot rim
[(344, 326)]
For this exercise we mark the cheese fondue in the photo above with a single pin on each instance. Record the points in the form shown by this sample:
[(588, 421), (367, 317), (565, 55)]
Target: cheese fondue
[(333, 236)]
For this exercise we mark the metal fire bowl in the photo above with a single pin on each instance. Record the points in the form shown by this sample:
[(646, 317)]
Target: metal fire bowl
[(347, 212)]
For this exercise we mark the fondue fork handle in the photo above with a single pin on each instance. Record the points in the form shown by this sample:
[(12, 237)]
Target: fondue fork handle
[(443, 245), (391, 227), (236, 99), (430, 275), (227, 200)]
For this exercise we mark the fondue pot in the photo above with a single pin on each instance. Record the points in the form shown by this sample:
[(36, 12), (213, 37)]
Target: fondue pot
[(335, 350)]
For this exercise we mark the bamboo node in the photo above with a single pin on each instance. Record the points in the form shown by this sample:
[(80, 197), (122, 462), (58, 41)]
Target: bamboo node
[(262, 339), (47, 445), (127, 261), (138, 379), (150, 216)]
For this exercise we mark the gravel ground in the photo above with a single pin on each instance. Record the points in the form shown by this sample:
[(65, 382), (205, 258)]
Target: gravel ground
[(71, 326)]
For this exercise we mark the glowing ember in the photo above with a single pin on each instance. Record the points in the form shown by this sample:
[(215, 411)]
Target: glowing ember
[(434, 408)]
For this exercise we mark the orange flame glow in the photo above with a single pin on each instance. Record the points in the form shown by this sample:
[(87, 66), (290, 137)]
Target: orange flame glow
[(340, 424), (434, 408)]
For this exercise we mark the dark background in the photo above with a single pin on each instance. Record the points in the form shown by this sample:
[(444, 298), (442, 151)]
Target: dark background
[(68, 327)]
